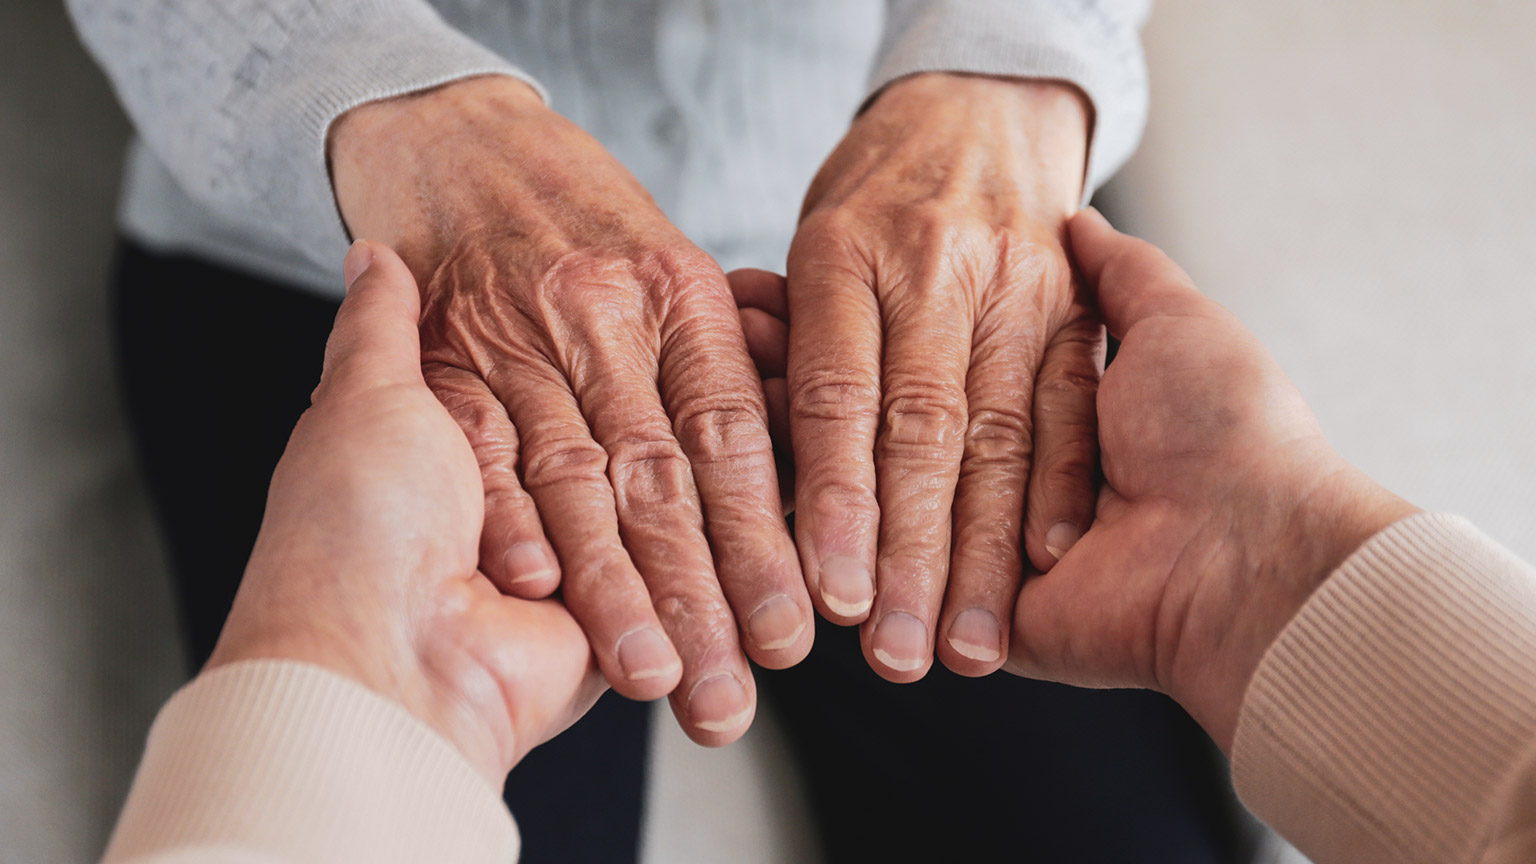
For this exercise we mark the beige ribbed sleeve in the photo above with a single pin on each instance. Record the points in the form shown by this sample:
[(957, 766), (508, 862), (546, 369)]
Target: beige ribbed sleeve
[(1394, 720), (271, 761)]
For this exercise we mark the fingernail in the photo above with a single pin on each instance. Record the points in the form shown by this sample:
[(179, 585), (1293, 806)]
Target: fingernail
[(900, 641), (846, 585), (718, 703), (359, 259), (776, 623), (974, 633), (644, 654), (526, 562), (1061, 537)]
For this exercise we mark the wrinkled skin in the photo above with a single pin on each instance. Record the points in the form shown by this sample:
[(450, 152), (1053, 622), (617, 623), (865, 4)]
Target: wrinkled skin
[(941, 366), (1223, 508), (594, 358), (366, 560)]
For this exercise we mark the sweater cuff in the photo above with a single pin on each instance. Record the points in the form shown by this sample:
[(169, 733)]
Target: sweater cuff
[(1390, 714), (348, 55), (1100, 53), (296, 763)]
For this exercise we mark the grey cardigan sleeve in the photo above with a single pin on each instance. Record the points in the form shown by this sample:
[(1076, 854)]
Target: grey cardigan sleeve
[(1093, 44), (236, 97)]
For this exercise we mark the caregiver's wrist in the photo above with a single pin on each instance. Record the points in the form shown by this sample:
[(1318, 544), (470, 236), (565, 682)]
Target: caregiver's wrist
[(439, 685), (1336, 511)]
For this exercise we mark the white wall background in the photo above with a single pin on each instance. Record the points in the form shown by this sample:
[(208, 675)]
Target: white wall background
[(1355, 179)]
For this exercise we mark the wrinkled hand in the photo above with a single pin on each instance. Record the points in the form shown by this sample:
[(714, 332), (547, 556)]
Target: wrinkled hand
[(365, 563), (594, 358), (1223, 508), (941, 369)]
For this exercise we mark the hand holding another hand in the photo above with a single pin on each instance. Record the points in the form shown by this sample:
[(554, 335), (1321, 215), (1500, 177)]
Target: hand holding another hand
[(593, 356), (366, 560), (1223, 508), (941, 368)]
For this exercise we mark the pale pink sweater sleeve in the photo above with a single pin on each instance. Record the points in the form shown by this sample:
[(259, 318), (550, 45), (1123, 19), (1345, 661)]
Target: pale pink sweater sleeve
[(270, 761), (1394, 720)]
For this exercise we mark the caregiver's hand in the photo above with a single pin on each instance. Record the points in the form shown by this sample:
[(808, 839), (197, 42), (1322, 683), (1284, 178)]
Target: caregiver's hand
[(1223, 509), (930, 297), (594, 358), (366, 561)]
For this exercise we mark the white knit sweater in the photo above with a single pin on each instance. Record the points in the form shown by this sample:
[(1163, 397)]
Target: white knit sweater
[(722, 108)]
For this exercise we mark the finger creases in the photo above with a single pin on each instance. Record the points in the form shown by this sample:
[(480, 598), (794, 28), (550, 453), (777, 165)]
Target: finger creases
[(715, 401), (1063, 485), (514, 551), (661, 521), (987, 558), (833, 384), (566, 472), (924, 417)]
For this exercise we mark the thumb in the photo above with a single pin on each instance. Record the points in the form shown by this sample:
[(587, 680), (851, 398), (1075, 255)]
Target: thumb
[(1132, 279), (375, 341)]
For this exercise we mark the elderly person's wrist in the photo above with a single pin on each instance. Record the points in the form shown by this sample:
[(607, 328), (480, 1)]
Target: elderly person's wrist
[(398, 166), (1052, 121)]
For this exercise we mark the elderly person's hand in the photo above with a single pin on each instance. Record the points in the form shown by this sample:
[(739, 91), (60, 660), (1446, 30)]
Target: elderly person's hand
[(941, 371), (1223, 507), (594, 358), (366, 561)]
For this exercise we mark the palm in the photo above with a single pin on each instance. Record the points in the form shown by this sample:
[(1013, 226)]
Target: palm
[(1182, 454), (374, 520)]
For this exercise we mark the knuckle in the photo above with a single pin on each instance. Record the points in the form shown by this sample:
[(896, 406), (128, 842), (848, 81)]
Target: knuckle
[(833, 394), (505, 498), (563, 460), (925, 418), (605, 580), (693, 608), (686, 281), (998, 436), (835, 498), (722, 431), (649, 476)]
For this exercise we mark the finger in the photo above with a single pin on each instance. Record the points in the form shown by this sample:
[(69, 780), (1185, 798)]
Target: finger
[(1131, 279), (375, 341), (917, 459), (1070, 625), (662, 524), (566, 473), (767, 342), (1061, 484), (514, 552), (721, 422), (834, 400), (760, 289), (776, 394), (541, 659), (987, 562)]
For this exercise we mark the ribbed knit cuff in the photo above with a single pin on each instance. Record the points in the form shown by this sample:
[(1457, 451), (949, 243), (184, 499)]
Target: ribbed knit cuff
[(296, 763), (1393, 712), (322, 63), (1080, 43)]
